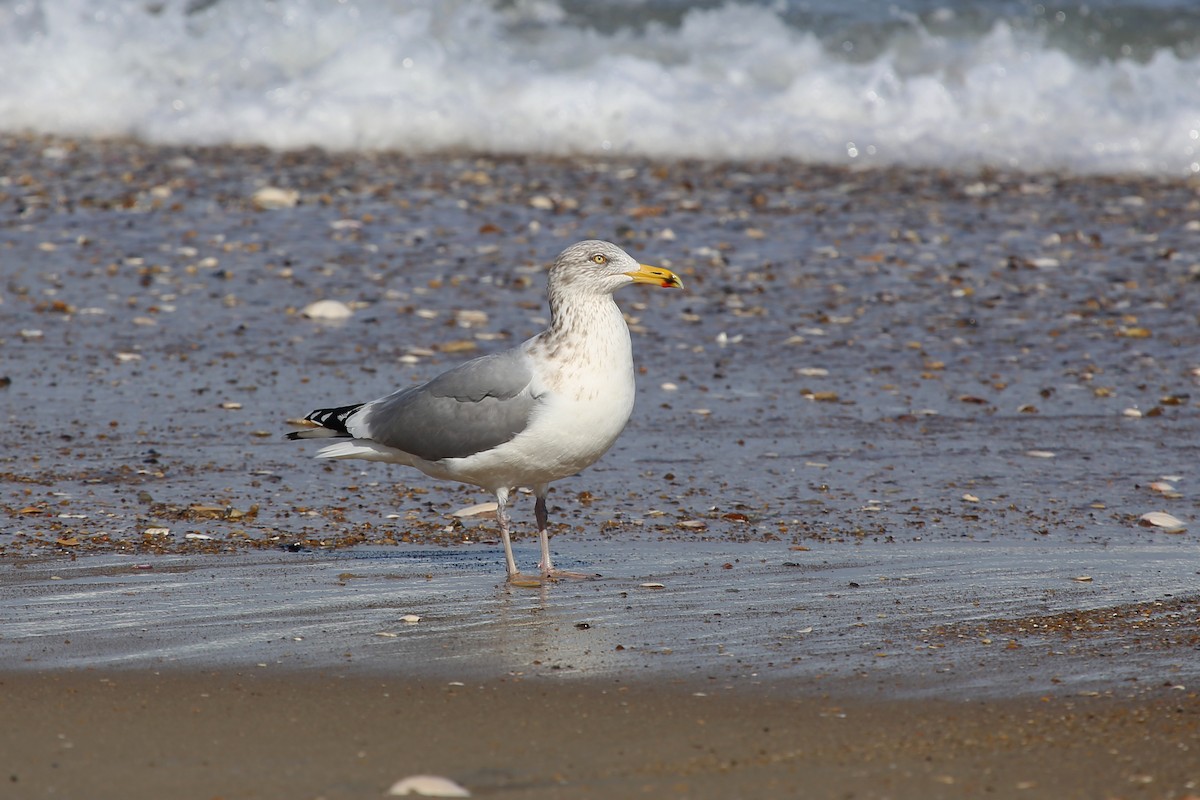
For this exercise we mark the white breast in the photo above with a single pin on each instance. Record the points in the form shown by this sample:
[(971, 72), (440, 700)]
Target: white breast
[(585, 398)]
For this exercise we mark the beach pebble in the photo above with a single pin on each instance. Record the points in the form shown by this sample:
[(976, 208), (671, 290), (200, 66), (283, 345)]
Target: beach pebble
[(428, 786), (1161, 519), (470, 318), (272, 197), (327, 310)]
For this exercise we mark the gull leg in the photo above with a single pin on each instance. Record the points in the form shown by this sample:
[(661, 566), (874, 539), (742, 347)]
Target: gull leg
[(510, 563), (545, 565), (540, 514)]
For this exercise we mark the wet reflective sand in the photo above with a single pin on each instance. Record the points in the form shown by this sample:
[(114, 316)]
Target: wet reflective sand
[(964, 620)]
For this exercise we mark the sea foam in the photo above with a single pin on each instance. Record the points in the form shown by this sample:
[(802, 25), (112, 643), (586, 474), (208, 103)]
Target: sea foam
[(738, 81)]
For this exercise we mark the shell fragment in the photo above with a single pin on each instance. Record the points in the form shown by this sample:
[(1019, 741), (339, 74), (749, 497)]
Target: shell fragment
[(1161, 519), (428, 786), (328, 310)]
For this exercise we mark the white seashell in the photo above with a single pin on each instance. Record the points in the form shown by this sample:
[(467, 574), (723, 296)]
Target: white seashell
[(1132, 412), (475, 510), (1039, 453), (157, 532), (327, 309), (270, 197), (980, 189), (1161, 519), (428, 786), (198, 536), (651, 585), (468, 318), (411, 619)]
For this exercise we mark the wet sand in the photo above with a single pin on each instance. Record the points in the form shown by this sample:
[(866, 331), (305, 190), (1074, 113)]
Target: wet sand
[(340, 735), (890, 456)]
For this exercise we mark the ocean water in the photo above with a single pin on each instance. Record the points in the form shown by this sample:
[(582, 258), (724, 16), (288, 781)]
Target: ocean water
[(1106, 86)]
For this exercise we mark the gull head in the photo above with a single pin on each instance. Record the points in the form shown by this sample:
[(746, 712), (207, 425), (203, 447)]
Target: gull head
[(596, 267)]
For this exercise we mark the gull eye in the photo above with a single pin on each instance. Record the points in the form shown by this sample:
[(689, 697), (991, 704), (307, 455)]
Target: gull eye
[(599, 259)]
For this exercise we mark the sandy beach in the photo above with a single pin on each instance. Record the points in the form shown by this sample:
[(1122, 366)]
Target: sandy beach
[(876, 529), (336, 735)]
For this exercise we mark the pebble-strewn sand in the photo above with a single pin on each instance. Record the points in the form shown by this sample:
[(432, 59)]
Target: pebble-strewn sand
[(897, 439)]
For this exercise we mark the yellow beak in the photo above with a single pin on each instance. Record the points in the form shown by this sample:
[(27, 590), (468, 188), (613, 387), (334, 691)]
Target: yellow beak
[(656, 275)]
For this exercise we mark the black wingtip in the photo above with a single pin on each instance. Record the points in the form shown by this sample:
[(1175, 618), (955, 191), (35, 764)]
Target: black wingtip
[(334, 418), (331, 422)]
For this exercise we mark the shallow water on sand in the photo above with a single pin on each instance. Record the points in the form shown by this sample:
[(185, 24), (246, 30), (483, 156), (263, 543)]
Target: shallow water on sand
[(921, 618)]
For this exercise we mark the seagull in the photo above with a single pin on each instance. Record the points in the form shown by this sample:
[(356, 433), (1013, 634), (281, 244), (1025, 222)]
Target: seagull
[(524, 417)]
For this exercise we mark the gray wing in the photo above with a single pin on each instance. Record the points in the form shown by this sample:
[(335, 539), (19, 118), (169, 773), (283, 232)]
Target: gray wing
[(469, 409)]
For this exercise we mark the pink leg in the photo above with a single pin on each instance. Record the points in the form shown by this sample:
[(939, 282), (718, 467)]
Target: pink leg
[(545, 566)]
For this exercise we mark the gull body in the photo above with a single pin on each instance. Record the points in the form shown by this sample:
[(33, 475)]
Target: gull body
[(525, 417)]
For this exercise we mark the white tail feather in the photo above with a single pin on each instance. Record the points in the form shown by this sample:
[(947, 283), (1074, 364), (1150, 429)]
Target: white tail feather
[(364, 449)]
